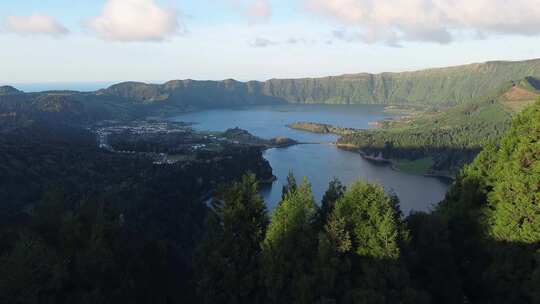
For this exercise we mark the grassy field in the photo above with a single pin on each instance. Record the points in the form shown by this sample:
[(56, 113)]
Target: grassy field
[(418, 166)]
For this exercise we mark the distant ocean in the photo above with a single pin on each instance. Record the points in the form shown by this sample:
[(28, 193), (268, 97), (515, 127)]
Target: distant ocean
[(74, 86)]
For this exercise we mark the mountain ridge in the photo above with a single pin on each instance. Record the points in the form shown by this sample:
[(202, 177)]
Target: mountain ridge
[(435, 86), (438, 88), (4, 90)]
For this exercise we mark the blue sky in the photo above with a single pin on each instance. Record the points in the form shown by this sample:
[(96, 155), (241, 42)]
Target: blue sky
[(158, 40)]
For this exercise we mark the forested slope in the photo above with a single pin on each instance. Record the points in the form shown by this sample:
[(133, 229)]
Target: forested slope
[(453, 137), (493, 215), (79, 224), (481, 245), (441, 86)]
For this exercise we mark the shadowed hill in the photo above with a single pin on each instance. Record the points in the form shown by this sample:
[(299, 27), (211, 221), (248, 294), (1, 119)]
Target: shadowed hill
[(492, 214), (194, 93)]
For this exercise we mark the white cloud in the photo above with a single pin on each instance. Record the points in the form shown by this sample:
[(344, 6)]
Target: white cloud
[(36, 24), (136, 20), (262, 42), (392, 21), (294, 40)]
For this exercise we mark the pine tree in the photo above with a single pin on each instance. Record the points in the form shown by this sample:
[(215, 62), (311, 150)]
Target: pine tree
[(430, 258), (228, 259), (335, 191), (371, 217), (334, 263), (514, 204), (367, 233), (290, 186), (494, 216), (290, 247)]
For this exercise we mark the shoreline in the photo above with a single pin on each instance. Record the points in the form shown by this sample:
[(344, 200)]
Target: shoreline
[(381, 160), (390, 162), (329, 129)]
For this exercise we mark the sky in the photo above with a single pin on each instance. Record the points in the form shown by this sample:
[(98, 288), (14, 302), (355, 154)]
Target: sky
[(63, 41)]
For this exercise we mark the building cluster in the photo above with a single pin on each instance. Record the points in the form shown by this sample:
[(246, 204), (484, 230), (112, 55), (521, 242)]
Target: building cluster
[(194, 140), (105, 129)]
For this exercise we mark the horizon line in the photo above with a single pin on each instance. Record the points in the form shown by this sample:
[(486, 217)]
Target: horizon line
[(159, 82)]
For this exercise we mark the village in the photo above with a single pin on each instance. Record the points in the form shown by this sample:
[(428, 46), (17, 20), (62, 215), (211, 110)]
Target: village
[(168, 142)]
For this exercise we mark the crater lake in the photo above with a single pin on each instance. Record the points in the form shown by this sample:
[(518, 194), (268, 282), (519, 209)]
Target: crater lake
[(320, 161)]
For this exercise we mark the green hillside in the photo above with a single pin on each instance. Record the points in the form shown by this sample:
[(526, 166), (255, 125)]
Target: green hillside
[(8, 90), (508, 177), (452, 137), (441, 86), (493, 217)]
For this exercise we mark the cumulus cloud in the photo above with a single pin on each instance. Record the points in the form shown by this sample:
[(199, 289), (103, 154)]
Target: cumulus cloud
[(36, 24), (262, 42), (294, 40), (431, 20), (136, 20)]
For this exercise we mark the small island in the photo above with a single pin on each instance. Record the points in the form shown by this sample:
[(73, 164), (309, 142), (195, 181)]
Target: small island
[(321, 128), (243, 136)]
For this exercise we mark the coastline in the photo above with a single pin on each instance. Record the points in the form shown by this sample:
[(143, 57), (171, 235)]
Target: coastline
[(392, 163), (328, 129)]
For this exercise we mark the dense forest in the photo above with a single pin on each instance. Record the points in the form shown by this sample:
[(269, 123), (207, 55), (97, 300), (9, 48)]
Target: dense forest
[(480, 245), (79, 224), (492, 216), (150, 239), (449, 138)]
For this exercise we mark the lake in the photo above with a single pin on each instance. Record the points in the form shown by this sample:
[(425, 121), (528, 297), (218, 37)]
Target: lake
[(320, 163)]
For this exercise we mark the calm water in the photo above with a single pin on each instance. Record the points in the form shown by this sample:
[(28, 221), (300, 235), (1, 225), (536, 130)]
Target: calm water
[(320, 162)]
